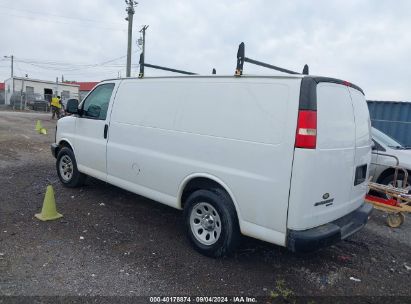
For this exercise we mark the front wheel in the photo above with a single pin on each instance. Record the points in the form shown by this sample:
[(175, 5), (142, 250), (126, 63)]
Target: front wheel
[(211, 222), (389, 181), (67, 171)]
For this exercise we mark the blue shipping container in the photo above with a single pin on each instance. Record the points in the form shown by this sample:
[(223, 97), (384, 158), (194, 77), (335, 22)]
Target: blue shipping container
[(392, 118)]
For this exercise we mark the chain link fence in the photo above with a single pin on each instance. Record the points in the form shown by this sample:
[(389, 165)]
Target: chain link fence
[(36, 101), (2, 98)]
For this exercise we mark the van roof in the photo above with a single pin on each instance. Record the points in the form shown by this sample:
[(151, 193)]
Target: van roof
[(317, 79), (208, 76)]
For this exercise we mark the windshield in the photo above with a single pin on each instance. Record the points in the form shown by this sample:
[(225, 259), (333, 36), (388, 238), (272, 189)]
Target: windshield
[(385, 139)]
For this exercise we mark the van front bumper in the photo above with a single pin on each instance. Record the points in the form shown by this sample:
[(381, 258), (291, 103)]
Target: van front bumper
[(325, 235)]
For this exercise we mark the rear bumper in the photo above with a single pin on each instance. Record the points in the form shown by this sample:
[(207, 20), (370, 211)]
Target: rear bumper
[(325, 235), (54, 149)]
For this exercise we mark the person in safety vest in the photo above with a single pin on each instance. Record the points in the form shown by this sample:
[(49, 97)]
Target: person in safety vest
[(55, 107)]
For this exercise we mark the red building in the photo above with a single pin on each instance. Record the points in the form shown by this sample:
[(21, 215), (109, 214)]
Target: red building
[(85, 87), (2, 86)]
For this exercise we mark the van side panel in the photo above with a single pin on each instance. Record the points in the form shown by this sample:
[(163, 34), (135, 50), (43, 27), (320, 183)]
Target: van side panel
[(241, 131), (323, 178)]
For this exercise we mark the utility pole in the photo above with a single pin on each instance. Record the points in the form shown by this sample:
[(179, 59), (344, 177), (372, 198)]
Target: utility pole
[(57, 87), (12, 72), (21, 95), (143, 53), (12, 66), (130, 11), (12, 76)]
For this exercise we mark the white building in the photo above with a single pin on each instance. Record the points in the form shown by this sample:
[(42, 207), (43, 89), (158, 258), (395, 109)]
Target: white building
[(34, 87)]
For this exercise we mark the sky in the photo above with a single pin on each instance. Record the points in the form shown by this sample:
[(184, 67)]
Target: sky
[(366, 42)]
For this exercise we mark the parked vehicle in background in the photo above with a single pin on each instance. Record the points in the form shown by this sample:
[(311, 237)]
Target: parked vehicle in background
[(37, 102), (381, 170), (283, 159), (33, 101)]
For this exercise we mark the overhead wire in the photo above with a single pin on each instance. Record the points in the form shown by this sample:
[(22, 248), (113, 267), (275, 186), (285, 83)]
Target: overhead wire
[(21, 72), (56, 15), (62, 22), (102, 70), (58, 65), (66, 66)]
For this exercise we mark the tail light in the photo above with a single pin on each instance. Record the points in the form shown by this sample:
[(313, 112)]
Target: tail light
[(306, 136)]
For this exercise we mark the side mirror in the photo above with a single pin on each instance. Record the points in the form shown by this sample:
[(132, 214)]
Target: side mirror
[(72, 106)]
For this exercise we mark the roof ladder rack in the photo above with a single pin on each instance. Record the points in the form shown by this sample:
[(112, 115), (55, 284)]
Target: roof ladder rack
[(143, 64), (241, 59)]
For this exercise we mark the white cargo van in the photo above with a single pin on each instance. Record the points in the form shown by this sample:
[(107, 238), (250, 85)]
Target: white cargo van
[(283, 159)]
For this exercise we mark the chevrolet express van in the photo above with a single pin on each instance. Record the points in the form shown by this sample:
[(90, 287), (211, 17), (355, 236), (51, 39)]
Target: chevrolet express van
[(284, 159)]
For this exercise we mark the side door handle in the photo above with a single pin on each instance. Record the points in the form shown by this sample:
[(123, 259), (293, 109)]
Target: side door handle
[(105, 131)]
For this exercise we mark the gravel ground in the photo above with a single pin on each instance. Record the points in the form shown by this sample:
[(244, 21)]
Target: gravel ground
[(111, 242)]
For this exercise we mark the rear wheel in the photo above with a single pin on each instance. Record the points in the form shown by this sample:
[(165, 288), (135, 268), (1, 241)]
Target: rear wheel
[(67, 171), (211, 222)]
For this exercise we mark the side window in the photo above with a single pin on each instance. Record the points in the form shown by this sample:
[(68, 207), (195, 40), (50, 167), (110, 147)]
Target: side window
[(96, 104)]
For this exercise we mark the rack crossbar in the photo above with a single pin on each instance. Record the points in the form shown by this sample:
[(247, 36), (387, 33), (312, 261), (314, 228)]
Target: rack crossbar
[(168, 69), (269, 66)]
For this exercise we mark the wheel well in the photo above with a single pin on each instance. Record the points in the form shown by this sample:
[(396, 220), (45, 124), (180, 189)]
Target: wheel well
[(199, 183), (388, 172), (63, 144)]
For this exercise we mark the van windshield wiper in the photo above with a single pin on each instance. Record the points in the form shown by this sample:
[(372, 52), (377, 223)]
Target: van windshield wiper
[(399, 147)]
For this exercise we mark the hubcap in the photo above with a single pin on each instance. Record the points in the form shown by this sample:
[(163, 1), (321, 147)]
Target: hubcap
[(66, 168), (205, 223), (399, 184)]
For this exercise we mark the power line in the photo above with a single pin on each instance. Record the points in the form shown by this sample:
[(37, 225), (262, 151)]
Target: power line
[(107, 67), (60, 22), (63, 69), (18, 67), (55, 15), (51, 62), (69, 67)]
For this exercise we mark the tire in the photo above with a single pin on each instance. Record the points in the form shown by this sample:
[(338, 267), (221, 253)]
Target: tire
[(67, 171), (389, 180), (211, 212)]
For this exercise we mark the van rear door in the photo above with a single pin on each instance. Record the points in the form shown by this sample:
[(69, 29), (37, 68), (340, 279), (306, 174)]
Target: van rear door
[(362, 144), (322, 184)]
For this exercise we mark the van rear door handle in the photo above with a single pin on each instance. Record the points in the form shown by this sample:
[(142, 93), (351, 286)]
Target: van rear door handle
[(105, 131)]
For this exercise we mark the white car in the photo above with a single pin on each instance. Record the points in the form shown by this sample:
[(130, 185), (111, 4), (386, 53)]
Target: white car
[(283, 159), (381, 170)]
